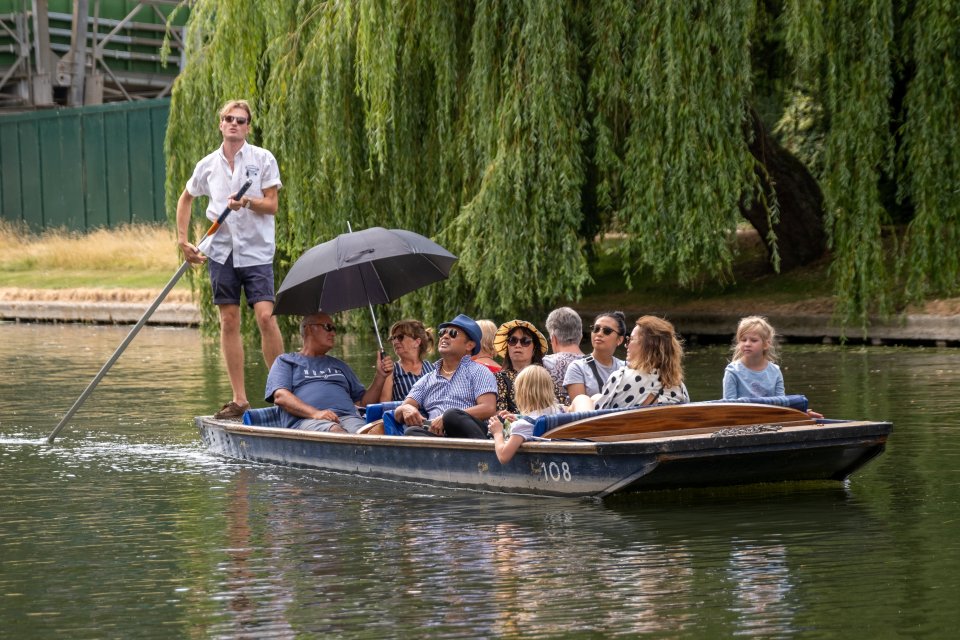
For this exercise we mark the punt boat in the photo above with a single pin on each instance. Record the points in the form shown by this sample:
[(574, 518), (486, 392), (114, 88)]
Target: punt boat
[(595, 454)]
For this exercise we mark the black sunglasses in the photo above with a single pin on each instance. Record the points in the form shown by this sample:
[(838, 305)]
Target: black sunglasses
[(448, 331), (238, 119), (521, 340), (597, 328), (398, 338), (326, 326)]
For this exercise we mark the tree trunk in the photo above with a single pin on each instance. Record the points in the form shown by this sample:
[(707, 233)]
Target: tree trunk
[(801, 237)]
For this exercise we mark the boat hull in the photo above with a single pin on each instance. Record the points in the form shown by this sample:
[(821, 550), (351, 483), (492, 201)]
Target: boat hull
[(566, 468)]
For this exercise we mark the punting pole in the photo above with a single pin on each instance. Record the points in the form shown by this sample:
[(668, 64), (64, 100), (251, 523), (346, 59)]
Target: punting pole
[(202, 247)]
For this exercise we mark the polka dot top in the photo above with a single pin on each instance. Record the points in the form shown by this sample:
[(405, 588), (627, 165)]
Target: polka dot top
[(629, 388)]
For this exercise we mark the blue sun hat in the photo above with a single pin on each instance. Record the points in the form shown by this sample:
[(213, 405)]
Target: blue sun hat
[(469, 326)]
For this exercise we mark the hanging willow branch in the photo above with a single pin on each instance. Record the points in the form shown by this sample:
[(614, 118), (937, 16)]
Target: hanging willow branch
[(931, 261), (502, 128), (517, 233), (680, 106), (856, 85)]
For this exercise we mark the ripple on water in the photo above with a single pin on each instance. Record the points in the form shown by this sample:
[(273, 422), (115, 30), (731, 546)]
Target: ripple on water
[(128, 528)]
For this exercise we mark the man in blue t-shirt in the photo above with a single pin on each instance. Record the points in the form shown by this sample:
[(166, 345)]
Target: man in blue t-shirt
[(317, 392)]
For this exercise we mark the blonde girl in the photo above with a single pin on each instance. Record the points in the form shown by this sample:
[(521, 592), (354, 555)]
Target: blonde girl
[(753, 372), (534, 396)]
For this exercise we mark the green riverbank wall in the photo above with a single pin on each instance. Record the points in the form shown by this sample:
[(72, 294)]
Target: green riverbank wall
[(84, 168)]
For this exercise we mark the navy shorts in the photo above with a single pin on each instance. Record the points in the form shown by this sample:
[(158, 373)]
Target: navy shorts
[(227, 280)]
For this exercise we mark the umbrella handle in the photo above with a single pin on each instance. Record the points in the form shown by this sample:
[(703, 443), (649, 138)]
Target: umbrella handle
[(376, 330)]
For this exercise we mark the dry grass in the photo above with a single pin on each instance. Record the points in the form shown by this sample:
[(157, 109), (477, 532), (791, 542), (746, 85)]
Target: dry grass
[(128, 264), (134, 262), (131, 247)]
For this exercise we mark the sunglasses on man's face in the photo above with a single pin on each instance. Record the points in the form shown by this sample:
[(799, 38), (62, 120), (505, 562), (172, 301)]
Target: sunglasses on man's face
[(326, 326), (597, 328), (448, 331), (521, 340), (238, 119)]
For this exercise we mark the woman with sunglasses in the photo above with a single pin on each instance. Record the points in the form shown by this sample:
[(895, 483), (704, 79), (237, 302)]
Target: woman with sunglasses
[(588, 375), (520, 344), (653, 375), (411, 342)]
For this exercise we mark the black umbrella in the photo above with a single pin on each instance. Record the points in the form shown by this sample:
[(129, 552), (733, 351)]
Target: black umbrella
[(371, 266)]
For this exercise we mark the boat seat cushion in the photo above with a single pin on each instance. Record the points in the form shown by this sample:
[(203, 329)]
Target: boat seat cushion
[(384, 411), (546, 423), (266, 417), (795, 401), (376, 410), (273, 417)]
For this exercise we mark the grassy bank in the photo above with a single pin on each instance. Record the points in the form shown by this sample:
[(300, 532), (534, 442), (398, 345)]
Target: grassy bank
[(123, 261), (134, 262)]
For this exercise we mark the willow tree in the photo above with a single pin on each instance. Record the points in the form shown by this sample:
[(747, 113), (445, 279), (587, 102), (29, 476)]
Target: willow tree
[(513, 132), (930, 154)]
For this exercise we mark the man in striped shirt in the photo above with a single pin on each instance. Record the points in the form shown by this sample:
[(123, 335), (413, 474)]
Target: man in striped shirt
[(459, 396)]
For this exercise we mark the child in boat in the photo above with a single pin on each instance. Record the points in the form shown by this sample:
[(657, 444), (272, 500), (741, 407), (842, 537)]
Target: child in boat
[(653, 375), (753, 371), (534, 396)]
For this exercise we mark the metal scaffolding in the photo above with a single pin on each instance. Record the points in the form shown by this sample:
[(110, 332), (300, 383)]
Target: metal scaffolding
[(84, 58)]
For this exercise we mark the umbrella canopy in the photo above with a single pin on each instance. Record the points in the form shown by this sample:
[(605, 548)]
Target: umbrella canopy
[(371, 266)]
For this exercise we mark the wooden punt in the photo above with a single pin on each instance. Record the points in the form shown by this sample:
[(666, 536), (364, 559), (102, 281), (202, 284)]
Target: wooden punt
[(664, 447)]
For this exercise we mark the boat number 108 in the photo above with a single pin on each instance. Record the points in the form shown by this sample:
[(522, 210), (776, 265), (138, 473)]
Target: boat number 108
[(555, 472)]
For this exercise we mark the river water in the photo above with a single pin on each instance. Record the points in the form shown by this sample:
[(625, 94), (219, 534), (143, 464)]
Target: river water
[(127, 528)]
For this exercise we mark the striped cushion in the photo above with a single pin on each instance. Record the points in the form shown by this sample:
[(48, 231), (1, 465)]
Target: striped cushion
[(266, 417), (795, 401)]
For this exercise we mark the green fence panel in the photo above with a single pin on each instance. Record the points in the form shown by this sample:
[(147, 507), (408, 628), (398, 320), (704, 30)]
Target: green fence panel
[(118, 172), (142, 197), (10, 190), (159, 136), (61, 153), (31, 181), (84, 168), (95, 172)]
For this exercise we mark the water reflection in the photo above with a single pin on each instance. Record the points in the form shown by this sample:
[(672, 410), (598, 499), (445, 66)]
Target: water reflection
[(128, 528)]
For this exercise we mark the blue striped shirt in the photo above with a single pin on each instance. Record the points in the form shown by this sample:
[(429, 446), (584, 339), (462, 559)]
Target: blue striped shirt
[(435, 394), (403, 381)]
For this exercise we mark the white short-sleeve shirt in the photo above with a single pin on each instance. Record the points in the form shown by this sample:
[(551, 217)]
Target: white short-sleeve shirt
[(249, 236), (580, 372)]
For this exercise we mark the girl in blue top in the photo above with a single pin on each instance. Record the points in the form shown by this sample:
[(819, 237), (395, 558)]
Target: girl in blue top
[(753, 372)]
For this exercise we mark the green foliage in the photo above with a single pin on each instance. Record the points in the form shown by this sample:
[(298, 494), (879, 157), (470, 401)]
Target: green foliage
[(502, 129), (856, 84), (525, 174), (801, 129), (677, 105), (931, 150)]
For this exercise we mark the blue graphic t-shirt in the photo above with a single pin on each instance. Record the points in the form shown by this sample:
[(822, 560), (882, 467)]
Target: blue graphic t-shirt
[(323, 382)]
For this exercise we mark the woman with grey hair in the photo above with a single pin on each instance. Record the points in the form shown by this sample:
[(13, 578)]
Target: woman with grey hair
[(566, 331)]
